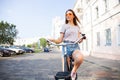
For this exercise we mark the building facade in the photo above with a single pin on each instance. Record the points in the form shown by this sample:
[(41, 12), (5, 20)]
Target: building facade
[(57, 22), (101, 23)]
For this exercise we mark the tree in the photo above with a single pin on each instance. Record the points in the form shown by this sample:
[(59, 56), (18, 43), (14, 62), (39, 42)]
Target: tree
[(43, 42), (8, 33)]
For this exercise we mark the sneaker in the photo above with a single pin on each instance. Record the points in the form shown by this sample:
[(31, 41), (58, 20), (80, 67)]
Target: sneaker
[(73, 75)]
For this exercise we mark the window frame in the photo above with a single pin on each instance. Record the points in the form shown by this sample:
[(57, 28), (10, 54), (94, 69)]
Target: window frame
[(108, 37), (118, 33), (97, 12), (98, 38)]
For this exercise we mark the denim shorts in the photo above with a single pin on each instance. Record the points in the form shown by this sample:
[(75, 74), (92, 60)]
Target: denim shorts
[(70, 48)]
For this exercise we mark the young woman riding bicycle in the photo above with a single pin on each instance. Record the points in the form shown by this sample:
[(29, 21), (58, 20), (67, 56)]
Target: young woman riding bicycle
[(70, 32)]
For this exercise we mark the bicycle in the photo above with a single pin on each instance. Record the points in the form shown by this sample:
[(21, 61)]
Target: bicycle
[(65, 74)]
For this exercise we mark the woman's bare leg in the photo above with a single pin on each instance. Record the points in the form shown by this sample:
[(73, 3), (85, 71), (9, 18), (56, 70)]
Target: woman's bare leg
[(78, 59)]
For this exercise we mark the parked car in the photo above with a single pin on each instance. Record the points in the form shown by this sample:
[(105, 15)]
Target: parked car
[(27, 50), (5, 52), (46, 49), (15, 49)]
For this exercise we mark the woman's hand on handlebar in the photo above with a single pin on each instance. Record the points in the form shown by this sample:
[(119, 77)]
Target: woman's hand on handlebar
[(83, 38), (49, 40), (52, 40)]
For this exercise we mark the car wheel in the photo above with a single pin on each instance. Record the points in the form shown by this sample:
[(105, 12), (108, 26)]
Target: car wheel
[(12, 53), (30, 51), (7, 55), (1, 54)]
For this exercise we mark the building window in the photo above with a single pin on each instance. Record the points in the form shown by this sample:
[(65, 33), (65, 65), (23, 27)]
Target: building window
[(119, 35), (108, 37), (105, 4), (78, 10), (98, 38), (97, 12), (87, 1)]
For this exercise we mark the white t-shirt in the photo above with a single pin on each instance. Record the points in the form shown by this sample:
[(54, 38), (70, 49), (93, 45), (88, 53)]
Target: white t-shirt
[(70, 32)]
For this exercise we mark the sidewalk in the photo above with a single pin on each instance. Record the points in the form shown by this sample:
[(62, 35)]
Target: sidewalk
[(94, 68)]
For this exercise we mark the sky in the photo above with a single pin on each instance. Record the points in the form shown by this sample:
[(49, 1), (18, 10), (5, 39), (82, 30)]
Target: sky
[(33, 18)]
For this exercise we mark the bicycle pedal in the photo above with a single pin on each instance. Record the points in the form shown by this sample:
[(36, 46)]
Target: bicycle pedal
[(63, 75)]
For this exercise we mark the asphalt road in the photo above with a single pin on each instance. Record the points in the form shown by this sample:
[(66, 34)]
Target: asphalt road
[(43, 66), (39, 66)]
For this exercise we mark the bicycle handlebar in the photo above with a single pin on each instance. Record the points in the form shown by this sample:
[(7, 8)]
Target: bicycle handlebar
[(61, 44), (64, 44)]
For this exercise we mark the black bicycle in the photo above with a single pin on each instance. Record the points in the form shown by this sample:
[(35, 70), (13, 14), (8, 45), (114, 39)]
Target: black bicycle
[(68, 65)]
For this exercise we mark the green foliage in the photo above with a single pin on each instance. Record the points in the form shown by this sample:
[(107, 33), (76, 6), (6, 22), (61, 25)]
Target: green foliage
[(7, 33), (29, 45), (35, 46), (43, 42)]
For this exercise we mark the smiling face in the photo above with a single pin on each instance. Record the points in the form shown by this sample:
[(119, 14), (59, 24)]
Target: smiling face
[(69, 16)]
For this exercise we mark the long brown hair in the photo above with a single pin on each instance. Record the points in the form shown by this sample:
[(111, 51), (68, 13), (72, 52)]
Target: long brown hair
[(75, 19)]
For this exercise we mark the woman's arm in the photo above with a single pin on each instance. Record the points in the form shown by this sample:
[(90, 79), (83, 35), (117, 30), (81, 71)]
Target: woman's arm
[(79, 36), (59, 40)]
